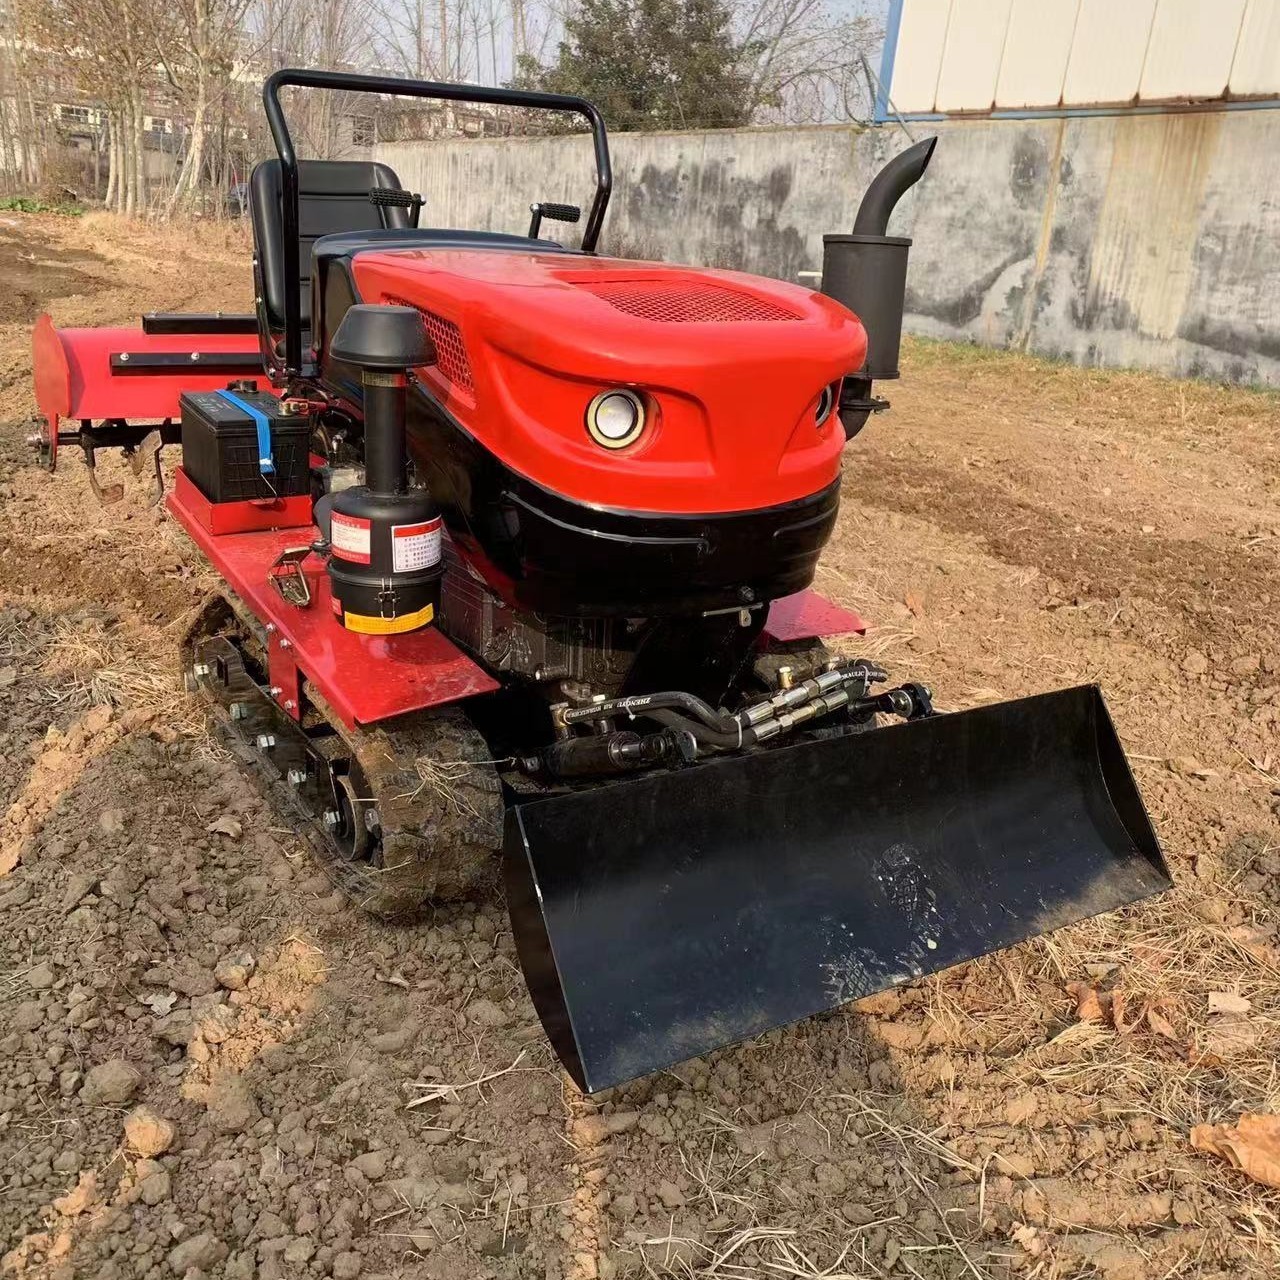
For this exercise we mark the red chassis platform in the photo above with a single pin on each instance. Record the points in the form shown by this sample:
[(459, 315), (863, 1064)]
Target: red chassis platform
[(363, 678), (370, 678)]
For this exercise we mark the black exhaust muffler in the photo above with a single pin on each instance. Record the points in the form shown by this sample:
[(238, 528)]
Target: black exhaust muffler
[(660, 918), (867, 272)]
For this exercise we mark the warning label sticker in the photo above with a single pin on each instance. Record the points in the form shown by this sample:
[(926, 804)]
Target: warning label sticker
[(350, 538), (415, 546)]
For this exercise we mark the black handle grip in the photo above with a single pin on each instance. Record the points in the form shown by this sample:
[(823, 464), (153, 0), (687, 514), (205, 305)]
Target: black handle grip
[(394, 198), (560, 212)]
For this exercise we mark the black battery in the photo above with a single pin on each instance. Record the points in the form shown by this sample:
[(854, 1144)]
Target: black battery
[(221, 450)]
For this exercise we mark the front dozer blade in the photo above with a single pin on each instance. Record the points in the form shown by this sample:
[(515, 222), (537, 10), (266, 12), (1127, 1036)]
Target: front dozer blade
[(663, 917)]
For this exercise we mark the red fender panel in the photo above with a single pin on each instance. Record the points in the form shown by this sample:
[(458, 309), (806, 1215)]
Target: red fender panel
[(74, 378)]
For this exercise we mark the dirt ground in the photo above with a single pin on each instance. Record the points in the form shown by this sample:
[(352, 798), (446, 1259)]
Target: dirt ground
[(1011, 527)]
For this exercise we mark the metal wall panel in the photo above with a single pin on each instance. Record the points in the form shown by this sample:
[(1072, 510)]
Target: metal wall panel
[(1036, 48), (1191, 48), (1108, 50), (1256, 68), (1042, 55), (971, 58), (918, 57)]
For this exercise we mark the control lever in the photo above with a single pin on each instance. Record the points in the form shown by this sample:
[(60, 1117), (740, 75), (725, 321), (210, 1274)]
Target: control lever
[(555, 212), (395, 198)]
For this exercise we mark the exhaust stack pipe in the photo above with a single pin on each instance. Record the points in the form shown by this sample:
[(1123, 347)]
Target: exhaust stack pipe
[(867, 272), (890, 185)]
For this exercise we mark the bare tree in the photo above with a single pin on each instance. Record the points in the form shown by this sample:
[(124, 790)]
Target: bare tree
[(24, 125), (804, 59), (198, 52), (106, 48), (332, 34)]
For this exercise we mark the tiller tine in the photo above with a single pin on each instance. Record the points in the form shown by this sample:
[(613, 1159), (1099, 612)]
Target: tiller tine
[(661, 918), (107, 495), (147, 456)]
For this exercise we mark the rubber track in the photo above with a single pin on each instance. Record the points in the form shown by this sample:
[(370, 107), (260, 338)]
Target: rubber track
[(428, 776)]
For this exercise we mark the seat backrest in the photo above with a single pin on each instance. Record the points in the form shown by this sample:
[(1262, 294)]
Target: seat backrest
[(333, 195)]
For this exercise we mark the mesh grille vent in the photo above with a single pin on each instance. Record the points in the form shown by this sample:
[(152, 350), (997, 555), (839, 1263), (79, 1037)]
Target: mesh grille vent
[(451, 354), (686, 303)]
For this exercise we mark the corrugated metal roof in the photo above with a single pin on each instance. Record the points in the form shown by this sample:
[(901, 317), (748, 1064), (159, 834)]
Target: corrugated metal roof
[(971, 58), (979, 55), (1107, 53), (1037, 45)]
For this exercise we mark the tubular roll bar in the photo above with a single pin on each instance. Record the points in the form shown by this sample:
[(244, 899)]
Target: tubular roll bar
[(391, 86)]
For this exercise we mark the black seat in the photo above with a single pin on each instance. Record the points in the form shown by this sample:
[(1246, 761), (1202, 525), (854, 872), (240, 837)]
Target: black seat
[(334, 208), (333, 195)]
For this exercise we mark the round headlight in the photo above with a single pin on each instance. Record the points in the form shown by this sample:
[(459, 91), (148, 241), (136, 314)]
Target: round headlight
[(826, 402), (615, 419)]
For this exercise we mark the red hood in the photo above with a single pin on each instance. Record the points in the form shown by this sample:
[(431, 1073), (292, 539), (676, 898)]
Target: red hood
[(733, 363)]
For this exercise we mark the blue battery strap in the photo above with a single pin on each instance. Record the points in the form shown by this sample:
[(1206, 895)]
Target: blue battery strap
[(266, 464)]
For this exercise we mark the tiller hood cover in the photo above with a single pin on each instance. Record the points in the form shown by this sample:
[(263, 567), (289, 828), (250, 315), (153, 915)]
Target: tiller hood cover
[(660, 918)]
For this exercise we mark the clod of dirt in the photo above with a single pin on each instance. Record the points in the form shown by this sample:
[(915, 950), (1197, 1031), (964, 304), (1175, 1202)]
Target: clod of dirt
[(372, 1164), (1195, 663), (346, 1266), (80, 1197), (201, 1251), (147, 1133), (231, 1106), (1189, 767), (155, 1185), (234, 972), (111, 1083)]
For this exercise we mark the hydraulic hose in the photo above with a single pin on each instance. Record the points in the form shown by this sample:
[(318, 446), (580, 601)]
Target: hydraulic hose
[(644, 704), (719, 739)]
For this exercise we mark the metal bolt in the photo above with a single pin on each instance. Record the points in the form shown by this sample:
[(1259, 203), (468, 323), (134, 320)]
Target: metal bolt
[(271, 626), (289, 704), (238, 710), (275, 691), (286, 644), (266, 741), (199, 669), (297, 776), (195, 355), (35, 440), (785, 680), (124, 357), (332, 817)]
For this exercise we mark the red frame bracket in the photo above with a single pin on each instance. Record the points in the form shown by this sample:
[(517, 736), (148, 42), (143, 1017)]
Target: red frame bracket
[(364, 679), (810, 616)]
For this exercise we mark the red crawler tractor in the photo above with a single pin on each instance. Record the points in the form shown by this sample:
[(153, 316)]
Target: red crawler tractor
[(517, 542)]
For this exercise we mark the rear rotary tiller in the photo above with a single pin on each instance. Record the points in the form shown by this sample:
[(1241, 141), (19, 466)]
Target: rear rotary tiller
[(518, 543)]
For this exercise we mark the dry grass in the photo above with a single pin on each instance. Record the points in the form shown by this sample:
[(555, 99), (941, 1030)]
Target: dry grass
[(86, 665), (445, 778), (434, 1091)]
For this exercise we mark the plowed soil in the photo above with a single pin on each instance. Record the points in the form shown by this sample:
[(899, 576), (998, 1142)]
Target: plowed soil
[(1011, 527)]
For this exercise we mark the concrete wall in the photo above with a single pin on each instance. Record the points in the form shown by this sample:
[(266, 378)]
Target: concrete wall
[(1130, 240)]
